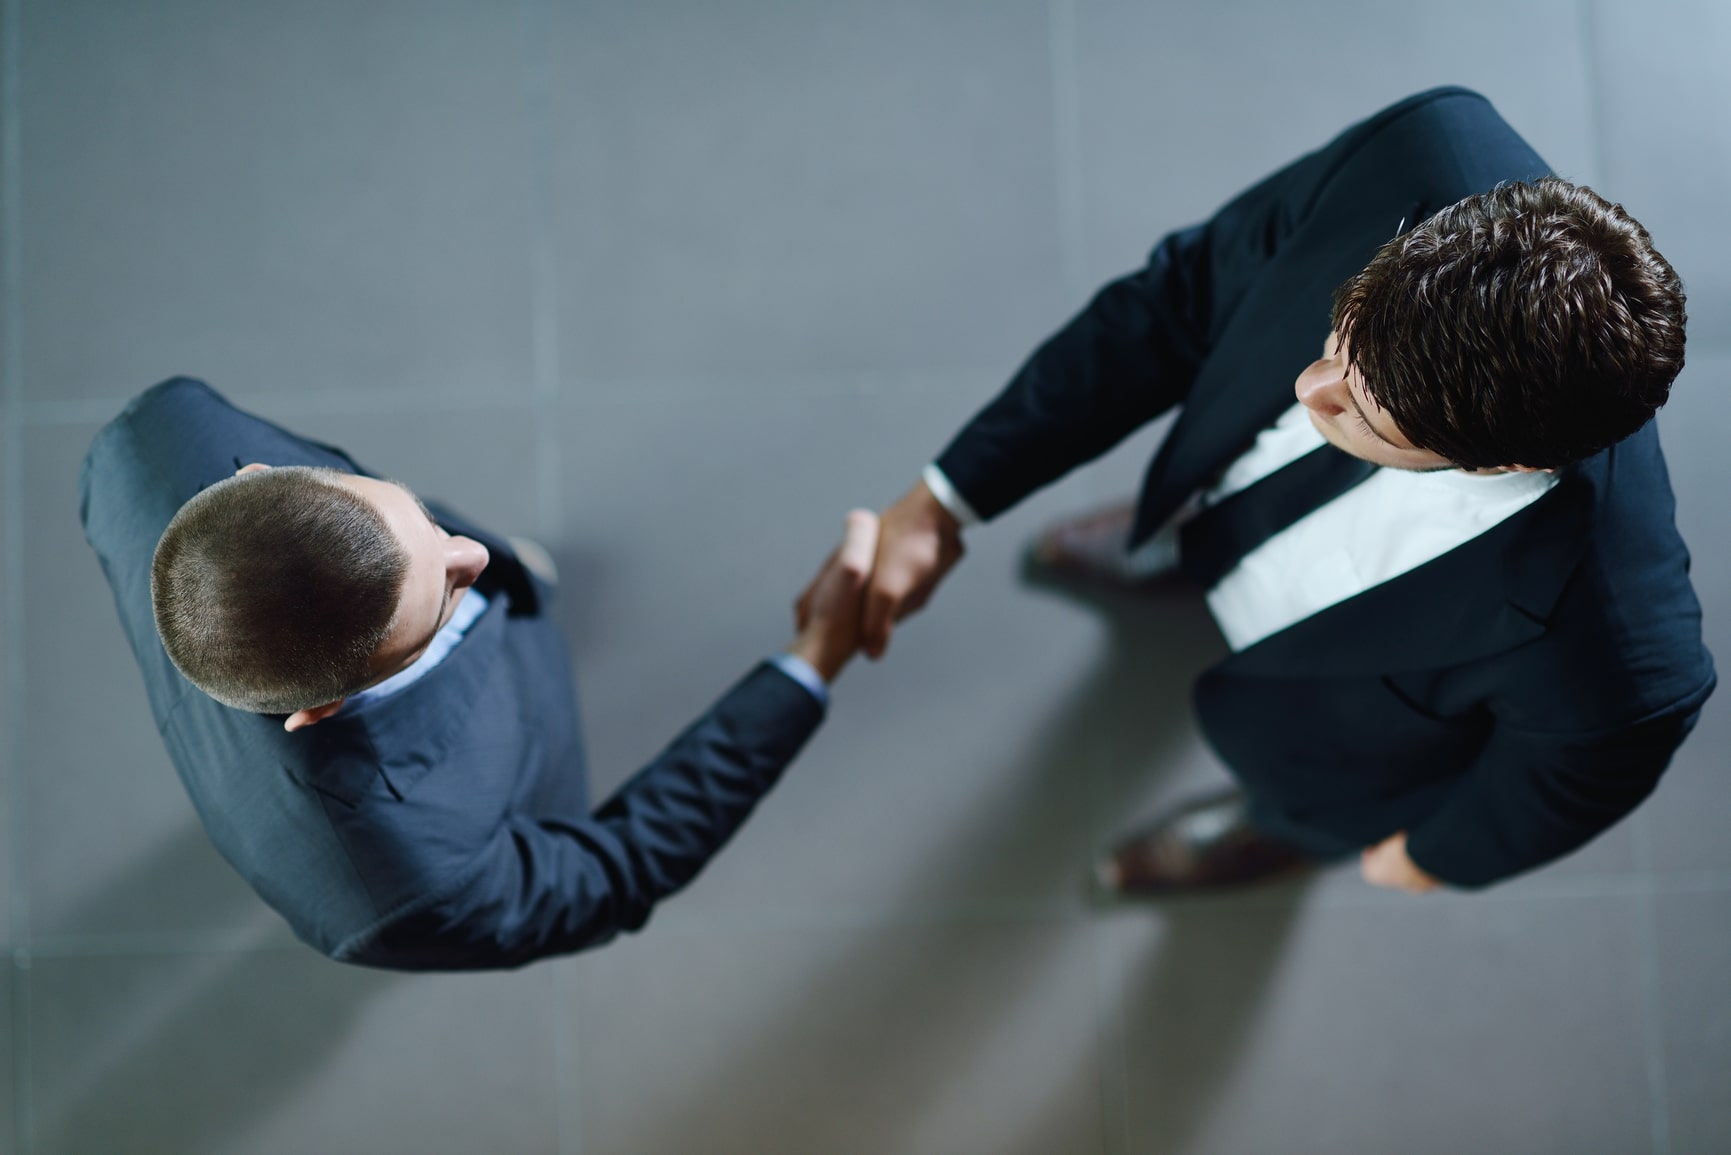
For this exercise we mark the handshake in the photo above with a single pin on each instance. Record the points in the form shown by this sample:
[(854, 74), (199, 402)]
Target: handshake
[(885, 568)]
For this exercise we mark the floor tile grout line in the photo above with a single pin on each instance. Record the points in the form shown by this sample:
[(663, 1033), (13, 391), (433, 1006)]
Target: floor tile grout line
[(99, 408), (1650, 993), (544, 271), (12, 569), (568, 1073), (23, 1115), (1590, 32), (1653, 1023), (153, 944), (1112, 1044), (829, 916), (549, 468), (1109, 1038), (1067, 142), (487, 395)]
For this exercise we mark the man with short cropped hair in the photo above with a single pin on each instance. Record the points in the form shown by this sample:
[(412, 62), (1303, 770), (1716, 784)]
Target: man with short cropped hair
[(374, 713), (1464, 640)]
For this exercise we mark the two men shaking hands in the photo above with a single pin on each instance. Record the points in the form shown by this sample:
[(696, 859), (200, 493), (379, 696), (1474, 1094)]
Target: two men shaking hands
[(1414, 475)]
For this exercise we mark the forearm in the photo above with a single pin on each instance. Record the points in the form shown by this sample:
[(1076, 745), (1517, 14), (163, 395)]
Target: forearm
[(677, 812), (1135, 351), (1126, 358), (543, 887)]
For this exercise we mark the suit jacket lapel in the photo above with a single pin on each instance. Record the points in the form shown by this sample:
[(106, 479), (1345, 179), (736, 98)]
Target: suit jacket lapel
[(1484, 597), (401, 737), (1257, 353)]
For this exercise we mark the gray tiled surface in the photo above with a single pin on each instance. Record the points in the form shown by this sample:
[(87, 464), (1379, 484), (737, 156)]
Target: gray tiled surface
[(9, 745), (286, 1052), (1147, 166), (791, 187), (9, 1025), (1658, 63), (1364, 1023), (290, 196), (941, 1038), (674, 285), (1694, 945)]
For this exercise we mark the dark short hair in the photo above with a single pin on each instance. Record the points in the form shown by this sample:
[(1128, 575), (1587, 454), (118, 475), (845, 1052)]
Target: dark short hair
[(272, 590), (1534, 325)]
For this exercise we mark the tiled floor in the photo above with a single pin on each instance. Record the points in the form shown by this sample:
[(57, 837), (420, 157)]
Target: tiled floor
[(672, 286)]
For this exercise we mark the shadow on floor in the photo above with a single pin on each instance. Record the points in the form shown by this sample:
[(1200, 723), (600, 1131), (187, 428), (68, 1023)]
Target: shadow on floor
[(1134, 706), (1194, 1007), (185, 1052)]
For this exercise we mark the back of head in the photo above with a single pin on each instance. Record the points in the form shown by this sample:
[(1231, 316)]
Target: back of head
[(1532, 325), (272, 590)]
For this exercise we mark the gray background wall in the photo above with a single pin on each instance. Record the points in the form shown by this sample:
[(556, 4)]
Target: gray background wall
[(672, 285)]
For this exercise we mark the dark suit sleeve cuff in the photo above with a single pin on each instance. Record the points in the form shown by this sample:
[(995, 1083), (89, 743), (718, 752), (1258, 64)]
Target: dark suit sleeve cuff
[(804, 673)]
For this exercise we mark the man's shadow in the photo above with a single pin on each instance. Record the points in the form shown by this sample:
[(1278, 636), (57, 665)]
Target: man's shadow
[(190, 1049), (1131, 711)]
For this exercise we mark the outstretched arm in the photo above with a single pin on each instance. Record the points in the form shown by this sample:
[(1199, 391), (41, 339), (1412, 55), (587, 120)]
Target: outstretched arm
[(1132, 354), (541, 887)]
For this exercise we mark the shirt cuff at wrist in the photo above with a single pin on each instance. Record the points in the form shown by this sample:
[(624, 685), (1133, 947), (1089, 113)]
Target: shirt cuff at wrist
[(948, 497), (805, 674)]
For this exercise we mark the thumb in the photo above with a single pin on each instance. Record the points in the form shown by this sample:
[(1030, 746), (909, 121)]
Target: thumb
[(859, 543)]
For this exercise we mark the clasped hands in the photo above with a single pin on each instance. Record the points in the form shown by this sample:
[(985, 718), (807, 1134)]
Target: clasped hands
[(887, 568)]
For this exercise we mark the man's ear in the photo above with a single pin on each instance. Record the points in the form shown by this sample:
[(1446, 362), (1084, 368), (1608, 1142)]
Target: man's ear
[(313, 716), (253, 468)]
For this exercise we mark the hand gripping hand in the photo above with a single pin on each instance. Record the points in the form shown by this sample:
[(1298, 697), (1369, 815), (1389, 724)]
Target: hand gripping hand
[(828, 613), (919, 541)]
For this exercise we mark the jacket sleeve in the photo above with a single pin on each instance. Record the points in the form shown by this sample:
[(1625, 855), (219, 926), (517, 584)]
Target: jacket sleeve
[(1132, 353), (1135, 350), (1533, 796), (541, 887)]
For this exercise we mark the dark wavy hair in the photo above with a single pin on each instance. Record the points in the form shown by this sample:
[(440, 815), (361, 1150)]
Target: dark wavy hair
[(272, 590), (1534, 325)]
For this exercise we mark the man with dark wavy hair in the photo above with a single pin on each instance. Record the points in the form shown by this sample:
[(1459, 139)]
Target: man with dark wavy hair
[(1464, 640)]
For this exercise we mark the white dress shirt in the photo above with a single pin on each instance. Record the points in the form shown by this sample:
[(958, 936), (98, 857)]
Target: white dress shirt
[(1390, 524), (469, 610)]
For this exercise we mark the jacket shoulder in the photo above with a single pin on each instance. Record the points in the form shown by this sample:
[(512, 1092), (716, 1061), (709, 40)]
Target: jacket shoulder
[(1427, 152), (1626, 634)]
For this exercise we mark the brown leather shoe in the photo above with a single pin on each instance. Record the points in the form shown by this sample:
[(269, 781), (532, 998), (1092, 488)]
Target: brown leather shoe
[(1207, 844), (1090, 551)]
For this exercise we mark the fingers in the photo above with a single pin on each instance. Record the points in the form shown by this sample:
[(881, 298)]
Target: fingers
[(899, 586), (802, 607), (854, 557), (880, 609), (859, 543)]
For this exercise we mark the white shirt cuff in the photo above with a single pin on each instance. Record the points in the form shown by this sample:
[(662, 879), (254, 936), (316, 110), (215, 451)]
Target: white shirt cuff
[(805, 674), (948, 497)]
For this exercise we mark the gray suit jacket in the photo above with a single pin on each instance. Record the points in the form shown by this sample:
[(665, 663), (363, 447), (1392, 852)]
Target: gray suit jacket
[(448, 825)]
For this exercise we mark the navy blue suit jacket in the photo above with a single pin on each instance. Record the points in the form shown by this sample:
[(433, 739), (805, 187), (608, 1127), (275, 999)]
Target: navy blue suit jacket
[(446, 826), (1502, 703)]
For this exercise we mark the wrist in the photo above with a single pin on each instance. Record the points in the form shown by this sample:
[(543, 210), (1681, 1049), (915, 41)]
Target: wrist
[(932, 511), (811, 648), (938, 484)]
